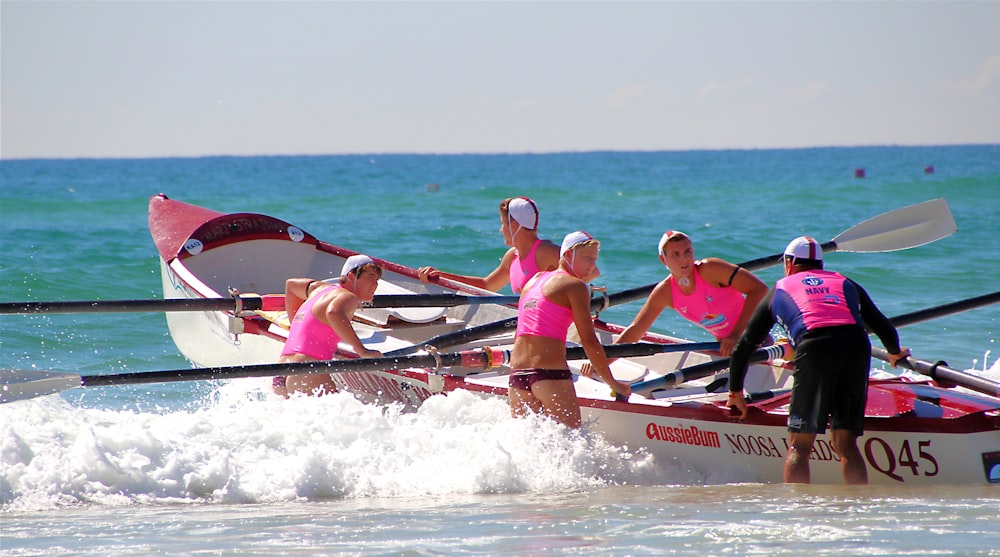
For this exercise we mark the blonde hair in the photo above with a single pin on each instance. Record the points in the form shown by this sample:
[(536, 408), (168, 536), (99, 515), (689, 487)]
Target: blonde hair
[(587, 243)]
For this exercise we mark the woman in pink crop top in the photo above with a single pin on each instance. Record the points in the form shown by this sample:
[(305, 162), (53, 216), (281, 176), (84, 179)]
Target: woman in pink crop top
[(320, 315), (540, 380), (712, 293), (527, 254)]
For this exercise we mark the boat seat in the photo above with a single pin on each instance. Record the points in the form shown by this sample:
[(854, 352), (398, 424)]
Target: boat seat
[(396, 316), (274, 311), (279, 318)]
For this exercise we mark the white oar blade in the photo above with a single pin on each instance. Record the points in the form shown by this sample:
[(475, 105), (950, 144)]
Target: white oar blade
[(904, 228), (21, 384)]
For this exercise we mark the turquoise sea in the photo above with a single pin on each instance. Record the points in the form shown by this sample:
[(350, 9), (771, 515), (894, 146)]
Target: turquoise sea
[(206, 469)]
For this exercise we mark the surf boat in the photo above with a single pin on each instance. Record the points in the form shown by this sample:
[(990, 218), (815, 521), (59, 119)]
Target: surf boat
[(222, 275)]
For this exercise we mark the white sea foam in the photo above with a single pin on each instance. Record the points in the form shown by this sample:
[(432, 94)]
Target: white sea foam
[(245, 446)]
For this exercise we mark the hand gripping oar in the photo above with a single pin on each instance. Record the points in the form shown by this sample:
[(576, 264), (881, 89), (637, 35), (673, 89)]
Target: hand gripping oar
[(903, 228), (243, 302), (940, 372), (24, 384), (704, 370)]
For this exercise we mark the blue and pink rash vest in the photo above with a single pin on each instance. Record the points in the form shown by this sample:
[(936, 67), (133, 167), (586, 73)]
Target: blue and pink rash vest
[(813, 304), (521, 272), (715, 309), (813, 299), (308, 336), (539, 316)]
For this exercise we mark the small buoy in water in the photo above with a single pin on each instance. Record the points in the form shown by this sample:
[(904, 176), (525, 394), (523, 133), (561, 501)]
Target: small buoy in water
[(929, 169), (431, 187), (859, 172)]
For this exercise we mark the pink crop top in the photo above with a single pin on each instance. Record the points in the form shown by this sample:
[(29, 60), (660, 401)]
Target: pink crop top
[(537, 315), (520, 272), (308, 336), (712, 308)]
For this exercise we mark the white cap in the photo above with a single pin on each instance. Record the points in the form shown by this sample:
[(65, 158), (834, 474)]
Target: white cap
[(573, 239), (667, 236), (524, 211), (353, 262), (804, 247)]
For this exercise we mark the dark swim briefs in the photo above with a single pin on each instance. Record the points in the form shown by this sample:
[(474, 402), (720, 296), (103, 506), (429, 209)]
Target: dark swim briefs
[(831, 380), (524, 378)]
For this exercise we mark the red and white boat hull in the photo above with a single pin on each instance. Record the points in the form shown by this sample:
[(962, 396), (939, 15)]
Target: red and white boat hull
[(916, 432)]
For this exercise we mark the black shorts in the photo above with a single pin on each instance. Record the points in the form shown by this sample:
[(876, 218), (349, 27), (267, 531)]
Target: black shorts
[(524, 378), (831, 380)]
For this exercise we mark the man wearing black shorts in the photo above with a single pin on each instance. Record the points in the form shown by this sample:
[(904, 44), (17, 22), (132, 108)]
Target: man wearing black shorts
[(825, 315)]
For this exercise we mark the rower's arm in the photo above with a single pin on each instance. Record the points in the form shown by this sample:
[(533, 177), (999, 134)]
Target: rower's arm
[(877, 321), (659, 299), (757, 330)]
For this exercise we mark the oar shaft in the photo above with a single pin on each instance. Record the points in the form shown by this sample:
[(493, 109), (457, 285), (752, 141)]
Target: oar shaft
[(708, 368), (775, 259), (642, 349), (902, 228), (124, 306), (34, 383), (242, 303), (435, 300), (468, 358), (447, 340), (939, 371), (642, 292), (945, 309)]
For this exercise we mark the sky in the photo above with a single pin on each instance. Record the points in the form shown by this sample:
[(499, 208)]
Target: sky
[(192, 78)]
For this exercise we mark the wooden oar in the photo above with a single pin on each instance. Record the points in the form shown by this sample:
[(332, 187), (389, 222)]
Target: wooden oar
[(24, 384), (709, 368), (237, 304), (903, 228)]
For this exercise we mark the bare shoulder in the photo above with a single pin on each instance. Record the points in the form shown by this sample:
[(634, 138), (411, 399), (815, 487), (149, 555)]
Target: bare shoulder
[(661, 292), (563, 286), (714, 269), (341, 298), (663, 285), (508, 256), (549, 245), (715, 263), (547, 255)]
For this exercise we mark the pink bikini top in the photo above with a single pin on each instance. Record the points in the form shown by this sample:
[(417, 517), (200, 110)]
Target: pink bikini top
[(539, 316), (520, 272), (715, 309), (308, 336)]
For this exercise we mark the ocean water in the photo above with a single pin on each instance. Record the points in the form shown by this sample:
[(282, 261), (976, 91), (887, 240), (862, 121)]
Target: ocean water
[(207, 469)]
